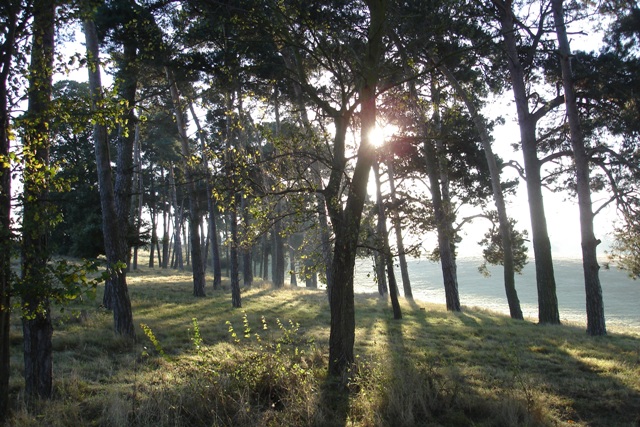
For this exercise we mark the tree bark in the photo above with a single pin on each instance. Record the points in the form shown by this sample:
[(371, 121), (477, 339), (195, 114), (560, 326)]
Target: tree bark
[(177, 223), (545, 278), (114, 236), (438, 181), (247, 251), (236, 300), (386, 251), (347, 226), (397, 228), (213, 231), (12, 29), (34, 287), (595, 307), (505, 229), (139, 186), (197, 265), (294, 63)]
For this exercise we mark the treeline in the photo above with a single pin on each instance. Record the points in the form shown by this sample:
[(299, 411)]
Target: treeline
[(237, 136)]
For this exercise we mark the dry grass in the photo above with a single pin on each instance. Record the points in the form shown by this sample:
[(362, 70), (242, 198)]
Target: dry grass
[(431, 368)]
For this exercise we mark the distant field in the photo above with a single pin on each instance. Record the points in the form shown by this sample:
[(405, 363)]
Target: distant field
[(265, 364)]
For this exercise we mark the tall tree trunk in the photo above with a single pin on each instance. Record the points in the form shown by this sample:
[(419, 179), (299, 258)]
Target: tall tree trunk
[(165, 220), (545, 278), (294, 63), (139, 186), (153, 211), (342, 333), (213, 232), (503, 220), (34, 286), (278, 252), (292, 263), (381, 277), (177, 222), (265, 256), (13, 27), (397, 228), (115, 242), (197, 265), (236, 300), (128, 76), (595, 307), (439, 183), (247, 251), (386, 251), (447, 261)]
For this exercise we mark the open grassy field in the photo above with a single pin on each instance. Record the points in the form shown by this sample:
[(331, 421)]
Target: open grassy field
[(265, 364)]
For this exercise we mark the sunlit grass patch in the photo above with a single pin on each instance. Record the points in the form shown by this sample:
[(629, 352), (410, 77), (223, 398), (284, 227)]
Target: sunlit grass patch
[(210, 364)]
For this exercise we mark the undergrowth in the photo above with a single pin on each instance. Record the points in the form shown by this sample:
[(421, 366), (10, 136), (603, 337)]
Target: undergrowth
[(250, 368)]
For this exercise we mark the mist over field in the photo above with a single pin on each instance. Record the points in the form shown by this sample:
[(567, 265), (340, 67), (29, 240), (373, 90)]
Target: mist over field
[(620, 293)]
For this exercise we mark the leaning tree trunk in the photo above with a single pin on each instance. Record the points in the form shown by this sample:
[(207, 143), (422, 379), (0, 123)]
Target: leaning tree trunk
[(197, 265), (397, 228), (503, 220), (439, 196), (545, 278), (447, 261), (595, 307), (386, 251), (114, 236), (35, 286), (293, 62)]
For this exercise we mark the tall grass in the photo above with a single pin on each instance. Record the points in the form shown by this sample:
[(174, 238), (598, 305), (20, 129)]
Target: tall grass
[(199, 362)]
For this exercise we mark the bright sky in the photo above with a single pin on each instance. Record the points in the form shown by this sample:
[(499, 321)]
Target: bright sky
[(562, 215)]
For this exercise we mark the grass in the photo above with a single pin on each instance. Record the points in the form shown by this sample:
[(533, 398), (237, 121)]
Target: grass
[(265, 364)]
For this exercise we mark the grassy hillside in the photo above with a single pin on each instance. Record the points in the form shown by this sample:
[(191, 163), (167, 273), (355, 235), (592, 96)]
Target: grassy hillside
[(265, 364)]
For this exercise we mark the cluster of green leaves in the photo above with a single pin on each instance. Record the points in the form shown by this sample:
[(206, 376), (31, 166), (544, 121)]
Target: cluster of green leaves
[(492, 245), (64, 281)]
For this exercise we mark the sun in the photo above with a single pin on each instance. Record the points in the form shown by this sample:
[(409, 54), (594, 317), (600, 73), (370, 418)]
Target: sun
[(382, 133)]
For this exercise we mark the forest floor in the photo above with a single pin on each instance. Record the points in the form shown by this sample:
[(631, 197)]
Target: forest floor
[(200, 362)]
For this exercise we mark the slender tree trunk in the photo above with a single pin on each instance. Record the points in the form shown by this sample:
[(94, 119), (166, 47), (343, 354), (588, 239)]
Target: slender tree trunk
[(213, 232), (177, 222), (153, 210), (292, 263), (165, 221), (247, 252), (7, 49), (294, 63), (279, 266), (438, 181), (34, 287), (197, 266), (128, 77), (139, 186), (381, 277), (595, 307), (342, 333), (505, 228), (386, 251), (545, 278), (115, 241), (265, 257), (236, 301), (397, 228)]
